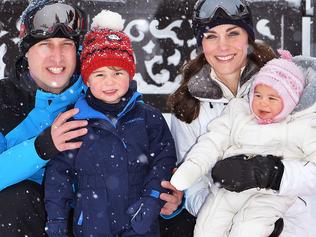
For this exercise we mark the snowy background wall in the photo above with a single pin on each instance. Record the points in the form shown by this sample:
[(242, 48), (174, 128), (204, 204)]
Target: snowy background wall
[(163, 40)]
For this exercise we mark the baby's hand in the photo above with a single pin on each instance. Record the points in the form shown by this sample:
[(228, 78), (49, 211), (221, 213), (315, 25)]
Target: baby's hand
[(186, 175)]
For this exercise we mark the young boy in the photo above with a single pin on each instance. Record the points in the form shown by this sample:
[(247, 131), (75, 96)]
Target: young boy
[(113, 180), (264, 126)]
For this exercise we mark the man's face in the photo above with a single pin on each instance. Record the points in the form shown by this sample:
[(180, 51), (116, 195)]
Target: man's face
[(52, 63)]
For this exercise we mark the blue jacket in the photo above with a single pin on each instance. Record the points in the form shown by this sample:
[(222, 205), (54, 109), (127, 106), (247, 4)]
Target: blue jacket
[(117, 172), (24, 114)]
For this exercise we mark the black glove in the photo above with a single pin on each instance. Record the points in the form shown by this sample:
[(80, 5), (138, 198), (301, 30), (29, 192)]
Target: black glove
[(239, 173)]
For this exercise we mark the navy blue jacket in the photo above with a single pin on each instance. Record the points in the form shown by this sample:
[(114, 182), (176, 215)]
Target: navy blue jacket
[(117, 172)]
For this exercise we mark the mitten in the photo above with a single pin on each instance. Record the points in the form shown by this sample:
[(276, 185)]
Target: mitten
[(239, 173), (144, 213), (186, 175)]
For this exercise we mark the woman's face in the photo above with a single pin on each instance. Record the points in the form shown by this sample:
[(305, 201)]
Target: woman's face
[(225, 48)]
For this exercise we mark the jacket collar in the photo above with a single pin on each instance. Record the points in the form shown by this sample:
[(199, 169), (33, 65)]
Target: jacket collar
[(87, 112), (19, 75), (69, 96), (47, 107)]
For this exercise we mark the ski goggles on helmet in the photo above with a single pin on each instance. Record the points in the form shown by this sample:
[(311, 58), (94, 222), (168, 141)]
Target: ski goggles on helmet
[(206, 11), (43, 22)]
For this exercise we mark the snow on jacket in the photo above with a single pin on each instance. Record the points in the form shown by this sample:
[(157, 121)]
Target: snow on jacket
[(121, 161), (25, 111), (299, 178)]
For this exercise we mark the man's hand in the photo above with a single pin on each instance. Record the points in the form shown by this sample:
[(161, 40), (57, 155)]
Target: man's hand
[(172, 200), (62, 131), (238, 173)]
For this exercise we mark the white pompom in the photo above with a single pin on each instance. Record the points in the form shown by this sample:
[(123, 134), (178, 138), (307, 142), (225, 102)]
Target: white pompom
[(108, 19)]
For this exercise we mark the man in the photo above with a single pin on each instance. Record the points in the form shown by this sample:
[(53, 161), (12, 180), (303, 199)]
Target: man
[(42, 85)]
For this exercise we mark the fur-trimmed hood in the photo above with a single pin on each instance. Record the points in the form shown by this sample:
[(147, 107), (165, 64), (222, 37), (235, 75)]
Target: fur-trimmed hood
[(307, 101), (203, 87)]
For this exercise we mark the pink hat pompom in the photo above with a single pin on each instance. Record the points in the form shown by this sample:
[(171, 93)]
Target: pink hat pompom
[(285, 54)]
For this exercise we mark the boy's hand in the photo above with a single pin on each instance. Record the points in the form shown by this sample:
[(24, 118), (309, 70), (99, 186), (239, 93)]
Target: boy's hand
[(62, 131), (172, 200)]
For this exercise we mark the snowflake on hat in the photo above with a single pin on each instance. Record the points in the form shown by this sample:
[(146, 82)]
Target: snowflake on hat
[(107, 45)]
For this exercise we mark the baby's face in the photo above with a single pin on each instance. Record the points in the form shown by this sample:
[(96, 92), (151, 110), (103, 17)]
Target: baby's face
[(266, 102)]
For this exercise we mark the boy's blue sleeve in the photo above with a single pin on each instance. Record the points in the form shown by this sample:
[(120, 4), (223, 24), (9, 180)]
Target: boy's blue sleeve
[(59, 192), (162, 161), (162, 155), (19, 163)]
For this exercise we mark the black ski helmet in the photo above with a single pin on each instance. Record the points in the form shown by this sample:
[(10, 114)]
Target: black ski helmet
[(44, 19), (210, 13)]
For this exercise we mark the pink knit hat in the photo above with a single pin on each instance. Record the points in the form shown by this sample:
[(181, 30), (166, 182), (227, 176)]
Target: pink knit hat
[(286, 78)]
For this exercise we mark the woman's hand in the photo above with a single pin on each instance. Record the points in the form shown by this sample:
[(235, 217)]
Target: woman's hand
[(172, 200), (62, 131)]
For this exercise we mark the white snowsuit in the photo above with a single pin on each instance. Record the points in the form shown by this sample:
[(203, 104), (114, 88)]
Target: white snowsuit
[(288, 138), (237, 132)]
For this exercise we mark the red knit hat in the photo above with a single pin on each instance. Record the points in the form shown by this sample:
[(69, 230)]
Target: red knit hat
[(107, 45)]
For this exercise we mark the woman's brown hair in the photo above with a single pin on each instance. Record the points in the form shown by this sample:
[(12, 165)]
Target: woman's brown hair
[(187, 108)]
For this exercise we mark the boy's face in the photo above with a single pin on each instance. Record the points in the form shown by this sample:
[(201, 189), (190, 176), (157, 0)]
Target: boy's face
[(109, 84), (266, 102), (52, 63)]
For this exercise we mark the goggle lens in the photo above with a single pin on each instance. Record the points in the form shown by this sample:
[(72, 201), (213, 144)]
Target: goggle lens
[(45, 20), (208, 10)]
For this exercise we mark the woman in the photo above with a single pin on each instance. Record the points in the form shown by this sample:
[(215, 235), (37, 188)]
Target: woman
[(221, 72)]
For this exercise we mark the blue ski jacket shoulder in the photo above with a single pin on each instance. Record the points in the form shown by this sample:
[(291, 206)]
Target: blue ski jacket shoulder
[(26, 116)]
